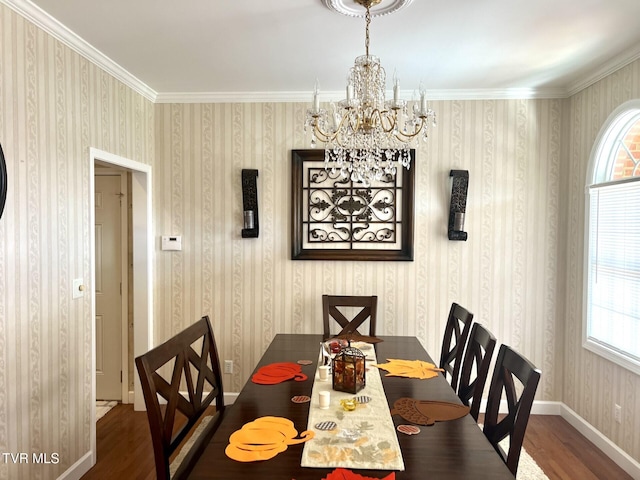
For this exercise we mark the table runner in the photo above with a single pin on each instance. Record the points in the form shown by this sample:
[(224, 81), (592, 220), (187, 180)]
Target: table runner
[(363, 439)]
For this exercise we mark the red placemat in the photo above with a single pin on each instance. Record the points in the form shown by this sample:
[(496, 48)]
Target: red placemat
[(345, 474), (278, 373)]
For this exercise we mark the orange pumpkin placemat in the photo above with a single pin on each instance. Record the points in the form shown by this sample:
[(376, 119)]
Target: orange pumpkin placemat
[(344, 474), (263, 439), (278, 373), (409, 368)]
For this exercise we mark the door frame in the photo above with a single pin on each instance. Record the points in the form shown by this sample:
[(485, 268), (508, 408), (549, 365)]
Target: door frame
[(109, 170), (141, 200)]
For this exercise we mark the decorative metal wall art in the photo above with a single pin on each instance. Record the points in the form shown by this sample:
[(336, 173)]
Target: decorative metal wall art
[(334, 218), (458, 206), (250, 204)]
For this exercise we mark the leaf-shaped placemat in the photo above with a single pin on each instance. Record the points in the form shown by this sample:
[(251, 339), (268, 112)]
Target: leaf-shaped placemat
[(409, 368), (344, 474)]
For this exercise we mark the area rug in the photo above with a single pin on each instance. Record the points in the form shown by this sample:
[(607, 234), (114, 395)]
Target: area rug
[(528, 469), (103, 406)]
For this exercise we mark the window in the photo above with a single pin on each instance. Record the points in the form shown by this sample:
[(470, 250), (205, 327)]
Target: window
[(612, 297)]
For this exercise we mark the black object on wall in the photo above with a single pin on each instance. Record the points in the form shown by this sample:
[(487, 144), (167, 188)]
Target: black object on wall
[(458, 207), (250, 203), (3, 181)]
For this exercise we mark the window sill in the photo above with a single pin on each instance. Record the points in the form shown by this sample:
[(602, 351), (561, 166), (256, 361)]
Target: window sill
[(612, 355)]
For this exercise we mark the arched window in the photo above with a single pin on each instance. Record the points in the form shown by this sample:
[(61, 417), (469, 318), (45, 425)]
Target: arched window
[(612, 297)]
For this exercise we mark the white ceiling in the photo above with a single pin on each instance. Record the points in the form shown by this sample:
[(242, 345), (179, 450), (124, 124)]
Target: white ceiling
[(252, 49)]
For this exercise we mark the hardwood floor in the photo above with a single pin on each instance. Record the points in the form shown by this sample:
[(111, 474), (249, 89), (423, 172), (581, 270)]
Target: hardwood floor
[(124, 449)]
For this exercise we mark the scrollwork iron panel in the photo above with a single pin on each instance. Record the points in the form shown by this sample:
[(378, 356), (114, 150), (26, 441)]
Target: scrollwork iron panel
[(336, 219)]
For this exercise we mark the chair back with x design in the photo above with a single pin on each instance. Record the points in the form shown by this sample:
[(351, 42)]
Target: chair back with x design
[(475, 367), (330, 310), (454, 339), (510, 365), (188, 361)]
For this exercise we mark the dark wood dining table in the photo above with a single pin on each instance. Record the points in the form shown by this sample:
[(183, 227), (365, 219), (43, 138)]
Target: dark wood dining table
[(455, 449)]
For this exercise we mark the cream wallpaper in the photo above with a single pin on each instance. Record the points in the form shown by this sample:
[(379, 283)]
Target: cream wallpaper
[(592, 384), (54, 105), (505, 273), (519, 272)]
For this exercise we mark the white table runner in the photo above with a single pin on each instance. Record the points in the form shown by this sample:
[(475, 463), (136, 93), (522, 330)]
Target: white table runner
[(363, 439)]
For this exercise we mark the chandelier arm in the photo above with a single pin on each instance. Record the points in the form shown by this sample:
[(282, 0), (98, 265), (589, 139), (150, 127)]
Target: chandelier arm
[(402, 136), (391, 119), (321, 134)]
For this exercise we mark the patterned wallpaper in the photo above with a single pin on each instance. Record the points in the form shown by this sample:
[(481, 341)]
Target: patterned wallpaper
[(54, 105), (506, 273), (592, 384), (520, 271)]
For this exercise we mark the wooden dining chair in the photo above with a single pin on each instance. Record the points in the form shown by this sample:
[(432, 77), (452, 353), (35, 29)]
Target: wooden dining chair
[(455, 337), (180, 423), (475, 364), (510, 365), (331, 305)]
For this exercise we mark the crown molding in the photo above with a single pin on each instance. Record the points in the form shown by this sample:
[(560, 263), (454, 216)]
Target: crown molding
[(53, 27), (60, 32), (609, 67), (268, 97)]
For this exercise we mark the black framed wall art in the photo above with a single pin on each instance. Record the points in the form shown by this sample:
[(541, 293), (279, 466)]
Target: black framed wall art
[(334, 218)]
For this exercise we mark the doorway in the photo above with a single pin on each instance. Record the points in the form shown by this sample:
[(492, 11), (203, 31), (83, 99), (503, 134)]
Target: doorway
[(142, 254), (111, 286)]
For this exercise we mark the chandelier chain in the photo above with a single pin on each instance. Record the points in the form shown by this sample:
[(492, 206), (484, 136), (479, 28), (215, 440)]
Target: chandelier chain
[(368, 22)]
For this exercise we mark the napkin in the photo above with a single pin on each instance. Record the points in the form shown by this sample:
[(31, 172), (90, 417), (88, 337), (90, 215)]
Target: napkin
[(278, 373), (409, 368), (344, 474)]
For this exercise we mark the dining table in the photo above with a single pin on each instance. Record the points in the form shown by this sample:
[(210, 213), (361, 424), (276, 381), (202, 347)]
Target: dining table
[(453, 449)]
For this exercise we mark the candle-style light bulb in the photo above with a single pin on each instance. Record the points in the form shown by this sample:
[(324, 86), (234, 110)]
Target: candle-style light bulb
[(349, 90), (396, 87), (423, 100)]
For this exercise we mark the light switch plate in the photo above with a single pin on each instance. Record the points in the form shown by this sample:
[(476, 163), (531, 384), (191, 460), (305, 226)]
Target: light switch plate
[(78, 288)]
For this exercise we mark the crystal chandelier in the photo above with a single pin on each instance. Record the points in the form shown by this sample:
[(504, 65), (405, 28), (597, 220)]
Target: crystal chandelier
[(365, 136)]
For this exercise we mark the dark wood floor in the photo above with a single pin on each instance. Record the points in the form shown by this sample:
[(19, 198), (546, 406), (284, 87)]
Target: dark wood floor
[(124, 449)]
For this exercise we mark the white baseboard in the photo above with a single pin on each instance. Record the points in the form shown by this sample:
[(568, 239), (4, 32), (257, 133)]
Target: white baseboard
[(541, 407), (610, 449), (230, 397), (78, 469)]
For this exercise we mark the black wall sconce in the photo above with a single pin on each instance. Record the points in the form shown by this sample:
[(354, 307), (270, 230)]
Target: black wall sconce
[(458, 205), (3, 181), (250, 203)]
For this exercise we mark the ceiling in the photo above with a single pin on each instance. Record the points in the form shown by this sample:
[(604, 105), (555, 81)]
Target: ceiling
[(195, 50)]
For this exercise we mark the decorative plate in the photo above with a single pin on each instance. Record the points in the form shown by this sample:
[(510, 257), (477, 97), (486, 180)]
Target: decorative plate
[(408, 429), (301, 399), (328, 425)]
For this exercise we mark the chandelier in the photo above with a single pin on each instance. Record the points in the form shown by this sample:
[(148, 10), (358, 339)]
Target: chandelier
[(365, 136)]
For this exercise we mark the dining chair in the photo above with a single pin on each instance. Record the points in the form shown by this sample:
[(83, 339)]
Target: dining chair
[(455, 337), (510, 365), (331, 305), (181, 423), (476, 361)]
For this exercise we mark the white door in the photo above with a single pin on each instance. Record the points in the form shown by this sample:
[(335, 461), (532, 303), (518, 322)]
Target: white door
[(108, 288)]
